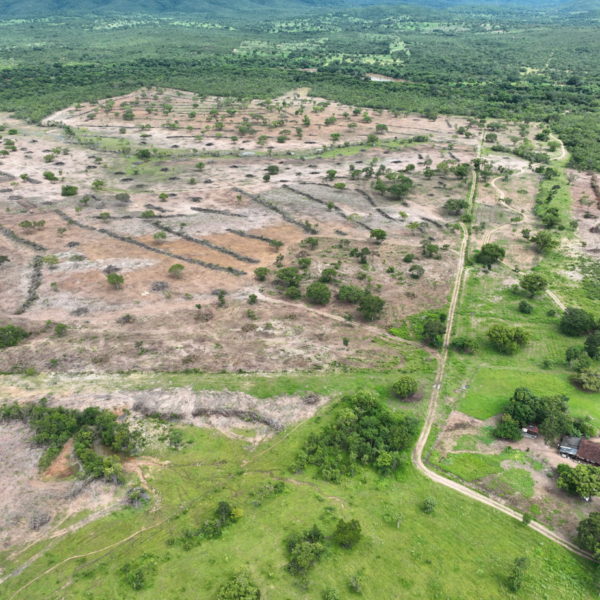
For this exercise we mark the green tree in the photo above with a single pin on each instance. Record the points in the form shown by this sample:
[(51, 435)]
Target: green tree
[(50, 176), (327, 275), (11, 335), (371, 307), (592, 344), (318, 293), (290, 275), (176, 270), (515, 579), (313, 242), (429, 504), (406, 386), (588, 534), (401, 187), (347, 533), (433, 332), (490, 254), (508, 339), (590, 379), (350, 293), (378, 234), (576, 322), (239, 588), (583, 480), (160, 236), (416, 271), (293, 292), (261, 273), (69, 190), (273, 170), (115, 279), (455, 206), (534, 283), (545, 241), (144, 154)]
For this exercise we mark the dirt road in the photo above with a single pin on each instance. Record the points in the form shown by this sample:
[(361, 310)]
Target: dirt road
[(417, 455)]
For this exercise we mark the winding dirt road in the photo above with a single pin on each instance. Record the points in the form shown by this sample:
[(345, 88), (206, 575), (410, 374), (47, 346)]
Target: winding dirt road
[(417, 455)]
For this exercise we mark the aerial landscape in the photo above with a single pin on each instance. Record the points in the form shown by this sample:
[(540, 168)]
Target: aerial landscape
[(299, 300)]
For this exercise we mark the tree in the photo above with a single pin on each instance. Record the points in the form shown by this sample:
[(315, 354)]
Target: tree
[(305, 548), (50, 176), (508, 339), (11, 335), (460, 171), (576, 322), (331, 174), (97, 184), (313, 242), (261, 273), (400, 188), (273, 170), (200, 166), (590, 379), (144, 154), (318, 293), (588, 533), (433, 331), (592, 344), (160, 236), (275, 244), (534, 283), (416, 271), (455, 206), (372, 139), (290, 275), (380, 128), (176, 270), (406, 386), (508, 429), (347, 533), (60, 329), (115, 279), (465, 344), (293, 292), (545, 241), (491, 138), (428, 172), (304, 263), (429, 504), (371, 307), (327, 275), (350, 293), (266, 177), (583, 480), (378, 234), (490, 254), (69, 190), (527, 518), (239, 588), (515, 579)]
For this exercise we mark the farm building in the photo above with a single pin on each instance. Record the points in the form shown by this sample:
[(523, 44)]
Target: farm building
[(569, 446), (580, 449), (589, 452)]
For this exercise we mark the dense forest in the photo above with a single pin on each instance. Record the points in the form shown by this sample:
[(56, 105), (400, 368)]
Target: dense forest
[(508, 63)]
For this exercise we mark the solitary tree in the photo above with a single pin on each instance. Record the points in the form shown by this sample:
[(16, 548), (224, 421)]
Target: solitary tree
[(378, 234), (534, 283), (176, 270), (115, 279), (490, 254), (371, 307), (405, 387), (347, 533), (275, 244), (261, 273), (318, 293)]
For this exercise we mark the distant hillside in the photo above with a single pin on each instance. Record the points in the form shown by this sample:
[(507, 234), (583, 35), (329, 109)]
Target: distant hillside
[(246, 9)]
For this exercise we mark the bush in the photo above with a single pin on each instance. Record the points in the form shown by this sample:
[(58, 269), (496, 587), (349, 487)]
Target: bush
[(416, 271), (304, 263), (508, 429), (576, 322), (465, 344), (527, 518), (350, 293), (406, 386), (60, 329), (11, 335), (525, 307), (252, 299), (69, 190), (327, 275), (176, 270), (239, 588), (261, 273), (508, 339), (429, 504), (434, 331), (347, 533), (293, 293), (115, 279), (318, 293), (290, 275), (371, 307), (305, 548)]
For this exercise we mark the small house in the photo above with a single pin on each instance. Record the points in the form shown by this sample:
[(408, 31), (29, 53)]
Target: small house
[(589, 452), (531, 432), (569, 446)]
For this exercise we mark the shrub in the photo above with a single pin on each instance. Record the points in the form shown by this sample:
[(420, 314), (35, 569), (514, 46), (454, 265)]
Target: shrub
[(176, 270), (239, 588), (290, 275), (347, 533), (304, 263), (60, 329), (515, 579), (465, 344), (350, 293), (50, 176), (252, 299), (318, 293), (313, 242), (115, 279), (293, 293), (371, 307), (261, 273), (525, 307), (416, 271), (508, 429), (11, 335), (305, 548), (429, 504), (327, 275), (508, 339), (527, 518), (405, 387), (69, 190), (408, 258), (576, 322)]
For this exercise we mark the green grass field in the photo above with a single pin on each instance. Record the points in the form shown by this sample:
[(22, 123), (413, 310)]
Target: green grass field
[(462, 550)]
